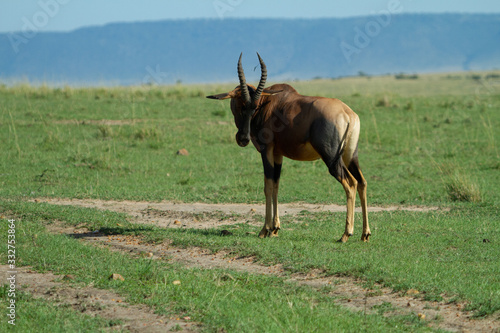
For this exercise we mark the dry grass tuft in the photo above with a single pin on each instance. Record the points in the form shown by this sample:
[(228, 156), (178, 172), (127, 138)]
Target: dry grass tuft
[(461, 188)]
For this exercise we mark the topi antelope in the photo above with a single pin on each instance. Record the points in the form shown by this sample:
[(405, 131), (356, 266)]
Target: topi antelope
[(281, 122)]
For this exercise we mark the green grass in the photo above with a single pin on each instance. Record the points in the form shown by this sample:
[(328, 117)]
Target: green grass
[(430, 141), (221, 300), (38, 315), (402, 151)]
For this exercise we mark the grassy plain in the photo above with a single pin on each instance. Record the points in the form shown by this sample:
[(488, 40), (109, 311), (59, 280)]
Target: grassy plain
[(431, 141), (121, 143)]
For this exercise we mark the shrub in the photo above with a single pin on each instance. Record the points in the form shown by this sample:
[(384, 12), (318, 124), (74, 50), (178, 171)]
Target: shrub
[(403, 76), (146, 133), (105, 132), (384, 102)]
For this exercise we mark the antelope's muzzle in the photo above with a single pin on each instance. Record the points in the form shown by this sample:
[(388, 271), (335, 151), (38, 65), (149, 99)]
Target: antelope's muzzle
[(242, 139)]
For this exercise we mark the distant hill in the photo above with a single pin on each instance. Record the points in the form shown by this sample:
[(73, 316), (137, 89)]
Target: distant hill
[(207, 50)]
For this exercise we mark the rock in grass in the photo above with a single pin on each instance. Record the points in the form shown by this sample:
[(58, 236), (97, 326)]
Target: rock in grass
[(412, 292), (115, 276), (68, 277), (182, 152)]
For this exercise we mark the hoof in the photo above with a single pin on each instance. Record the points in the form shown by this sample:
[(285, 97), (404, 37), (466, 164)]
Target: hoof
[(264, 233), (344, 238), (268, 233), (364, 237)]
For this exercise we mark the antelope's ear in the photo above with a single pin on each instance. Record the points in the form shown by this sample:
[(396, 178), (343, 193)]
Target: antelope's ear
[(221, 96), (271, 92)]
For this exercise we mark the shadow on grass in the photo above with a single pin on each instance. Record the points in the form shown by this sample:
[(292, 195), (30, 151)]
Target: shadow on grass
[(110, 231), (157, 234)]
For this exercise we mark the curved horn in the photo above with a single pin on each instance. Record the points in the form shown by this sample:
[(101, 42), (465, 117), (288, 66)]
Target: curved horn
[(263, 79), (243, 83)]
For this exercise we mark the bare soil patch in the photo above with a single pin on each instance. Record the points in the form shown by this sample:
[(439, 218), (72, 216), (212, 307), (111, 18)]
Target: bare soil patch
[(165, 213), (95, 302)]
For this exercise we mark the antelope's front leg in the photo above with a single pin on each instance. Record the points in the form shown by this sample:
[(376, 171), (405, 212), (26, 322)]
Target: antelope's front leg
[(267, 230), (272, 223)]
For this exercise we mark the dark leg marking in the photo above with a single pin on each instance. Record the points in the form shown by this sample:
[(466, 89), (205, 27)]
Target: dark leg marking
[(277, 172), (354, 168), (269, 170)]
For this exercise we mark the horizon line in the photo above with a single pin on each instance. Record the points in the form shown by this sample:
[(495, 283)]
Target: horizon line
[(249, 18)]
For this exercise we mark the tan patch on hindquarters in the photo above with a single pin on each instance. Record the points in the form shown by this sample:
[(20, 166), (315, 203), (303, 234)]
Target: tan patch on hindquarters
[(351, 142)]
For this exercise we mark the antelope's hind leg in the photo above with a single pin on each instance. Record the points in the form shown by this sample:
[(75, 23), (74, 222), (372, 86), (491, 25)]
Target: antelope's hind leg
[(329, 143), (362, 185), (350, 184), (276, 183)]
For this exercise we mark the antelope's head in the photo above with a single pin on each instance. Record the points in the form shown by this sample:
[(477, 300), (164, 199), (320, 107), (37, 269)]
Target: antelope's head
[(245, 101)]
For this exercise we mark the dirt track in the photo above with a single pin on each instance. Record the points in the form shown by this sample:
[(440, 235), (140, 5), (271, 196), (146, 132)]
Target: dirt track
[(285, 208), (164, 214), (347, 291)]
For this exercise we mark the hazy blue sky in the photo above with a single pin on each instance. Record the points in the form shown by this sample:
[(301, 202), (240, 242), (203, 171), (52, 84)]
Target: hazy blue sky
[(64, 15)]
